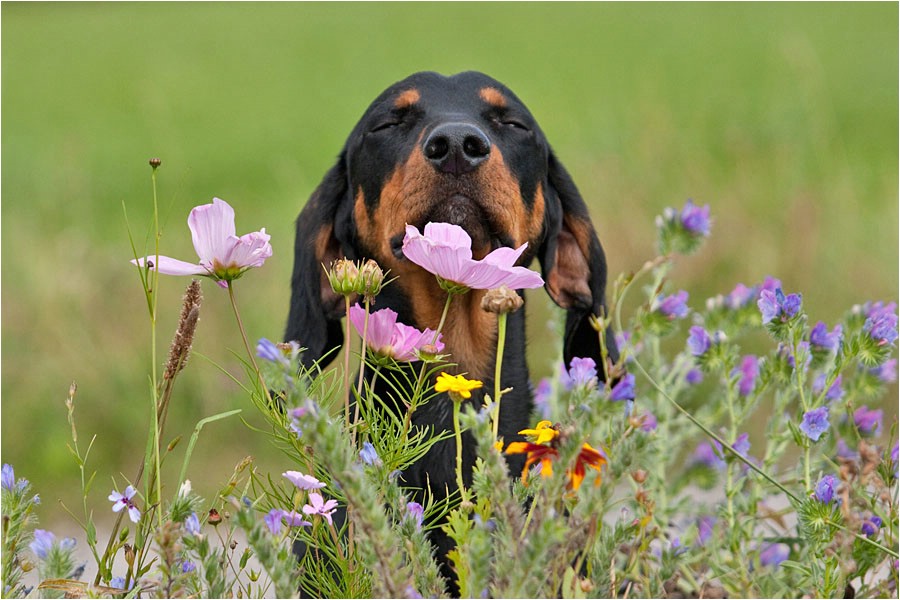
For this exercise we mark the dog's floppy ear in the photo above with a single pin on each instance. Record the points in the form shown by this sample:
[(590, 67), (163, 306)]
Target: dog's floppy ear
[(574, 266), (315, 314)]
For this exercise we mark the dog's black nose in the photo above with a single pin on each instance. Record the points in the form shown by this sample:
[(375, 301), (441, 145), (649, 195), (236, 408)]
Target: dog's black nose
[(456, 148)]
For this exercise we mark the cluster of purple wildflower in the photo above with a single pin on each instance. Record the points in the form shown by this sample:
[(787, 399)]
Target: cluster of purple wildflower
[(881, 323)]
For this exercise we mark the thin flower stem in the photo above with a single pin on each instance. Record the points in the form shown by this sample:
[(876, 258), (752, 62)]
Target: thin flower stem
[(501, 342), (457, 432), (250, 354), (362, 364), (347, 363)]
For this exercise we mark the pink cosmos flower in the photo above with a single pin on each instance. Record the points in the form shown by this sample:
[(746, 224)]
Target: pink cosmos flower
[(446, 250), (303, 482), (318, 506), (223, 255), (389, 338)]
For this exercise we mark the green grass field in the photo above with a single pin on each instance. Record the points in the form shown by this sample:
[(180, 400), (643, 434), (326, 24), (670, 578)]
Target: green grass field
[(783, 117)]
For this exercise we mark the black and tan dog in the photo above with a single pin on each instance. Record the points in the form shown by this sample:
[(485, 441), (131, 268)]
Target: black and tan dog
[(462, 150)]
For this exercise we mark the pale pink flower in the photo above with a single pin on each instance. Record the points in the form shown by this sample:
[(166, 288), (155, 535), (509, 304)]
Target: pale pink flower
[(318, 506), (302, 481), (223, 255), (389, 338), (446, 250), (126, 501)]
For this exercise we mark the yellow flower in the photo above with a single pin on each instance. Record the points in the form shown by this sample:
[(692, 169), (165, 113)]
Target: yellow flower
[(457, 386), (543, 432)]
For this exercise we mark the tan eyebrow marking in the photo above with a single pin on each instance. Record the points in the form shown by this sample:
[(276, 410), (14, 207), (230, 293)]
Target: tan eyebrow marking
[(407, 98), (492, 96)]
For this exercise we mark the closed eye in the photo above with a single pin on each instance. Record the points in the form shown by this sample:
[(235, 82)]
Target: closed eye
[(384, 125)]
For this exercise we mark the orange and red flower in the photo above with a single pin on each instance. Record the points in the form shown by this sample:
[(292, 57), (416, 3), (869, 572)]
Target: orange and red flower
[(544, 450)]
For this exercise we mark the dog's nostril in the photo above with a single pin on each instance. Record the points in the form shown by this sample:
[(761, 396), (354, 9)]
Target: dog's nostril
[(437, 147), (476, 146)]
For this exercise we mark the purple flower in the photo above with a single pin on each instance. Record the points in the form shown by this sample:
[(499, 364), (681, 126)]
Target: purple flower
[(43, 543), (748, 372), (648, 422), (815, 423), (126, 500), (881, 326), (739, 296), (825, 489), (368, 454), (886, 372), (623, 390), (705, 525), (868, 421), (835, 391), (843, 450), (821, 339), (741, 445), (674, 306), (706, 454), (694, 376), (223, 256), (318, 506), (871, 526), (695, 219), (446, 250), (770, 283), (294, 519), (192, 524), (8, 479), (582, 372), (188, 567), (268, 350), (773, 555), (417, 512), (542, 394), (776, 304), (698, 341), (273, 521), (303, 482), (387, 337)]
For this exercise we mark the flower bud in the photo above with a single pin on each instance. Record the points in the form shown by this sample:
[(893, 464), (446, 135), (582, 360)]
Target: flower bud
[(343, 277), (214, 517), (501, 300), (639, 475), (371, 279), (155, 162)]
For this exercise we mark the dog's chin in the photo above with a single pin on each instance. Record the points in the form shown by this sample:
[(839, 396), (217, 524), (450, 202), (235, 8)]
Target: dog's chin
[(465, 212)]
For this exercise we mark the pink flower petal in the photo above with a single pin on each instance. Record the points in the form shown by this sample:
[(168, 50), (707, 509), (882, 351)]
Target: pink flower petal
[(211, 225), (172, 266), (250, 250)]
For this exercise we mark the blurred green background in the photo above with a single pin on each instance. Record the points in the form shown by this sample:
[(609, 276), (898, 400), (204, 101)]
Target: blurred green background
[(783, 117)]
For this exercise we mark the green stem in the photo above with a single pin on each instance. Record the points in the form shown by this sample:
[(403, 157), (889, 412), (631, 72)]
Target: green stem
[(250, 354), (347, 363), (457, 432), (501, 342), (362, 364)]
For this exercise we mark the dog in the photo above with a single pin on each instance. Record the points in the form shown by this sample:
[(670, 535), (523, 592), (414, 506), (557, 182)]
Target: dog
[(459, 149)]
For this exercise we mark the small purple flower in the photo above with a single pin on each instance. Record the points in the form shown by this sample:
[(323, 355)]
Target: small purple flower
[(698, 341), (623, 390), (886, 372), (268, 350), (773, 555), (188, 567), (776, 304), (820, 338), (868, 421), (835, 391), (705, 527), (770, 283), (815, 423), (8, 478), (273, 521), (542, 394), (582, 372), (417, 512), (648, 422), (303, 482), (292, 518), (843, 450), (741, 445), (871, 526), (694, 376), (825, 489), (368, 454), (706, 454), (192, 524), (881, 323), (695, 219), (126, 500), (318, 506), (674, 306), (739, 296), (119, 583), (43, 543), (748, 371)]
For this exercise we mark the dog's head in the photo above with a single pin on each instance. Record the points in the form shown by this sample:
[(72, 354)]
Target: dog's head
[(463, 150)]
